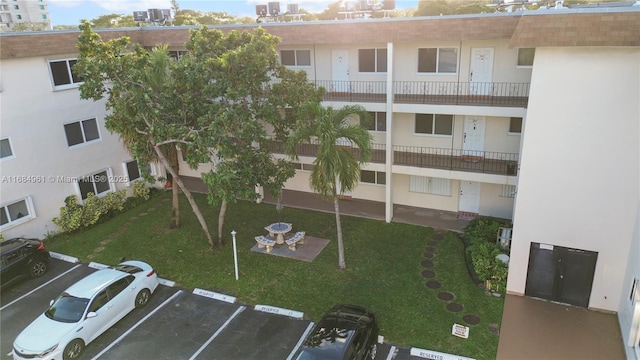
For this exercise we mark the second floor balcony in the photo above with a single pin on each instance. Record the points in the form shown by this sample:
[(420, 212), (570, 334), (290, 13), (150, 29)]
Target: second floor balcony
[(429, 92), (487, 162)]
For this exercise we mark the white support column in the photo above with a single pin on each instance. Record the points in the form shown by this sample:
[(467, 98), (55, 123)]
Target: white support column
[(388, 198), (515, 197)]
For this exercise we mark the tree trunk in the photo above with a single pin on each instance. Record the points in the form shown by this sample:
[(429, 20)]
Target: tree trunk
[(223, 211), (187, 193), (175, 200), (175, 205), (341, 263)]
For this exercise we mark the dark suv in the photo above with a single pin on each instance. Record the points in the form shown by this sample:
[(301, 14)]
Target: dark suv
[(22, 257), (346, 332)]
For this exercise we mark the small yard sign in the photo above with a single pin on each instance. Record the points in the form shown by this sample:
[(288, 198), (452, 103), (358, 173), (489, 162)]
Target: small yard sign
[(460, 331)]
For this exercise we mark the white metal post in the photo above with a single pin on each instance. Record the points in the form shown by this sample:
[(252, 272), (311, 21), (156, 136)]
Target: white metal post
[(235, 253)]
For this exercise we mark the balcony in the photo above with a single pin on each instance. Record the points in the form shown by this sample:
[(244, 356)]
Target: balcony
[(429, 92), (486, 162)]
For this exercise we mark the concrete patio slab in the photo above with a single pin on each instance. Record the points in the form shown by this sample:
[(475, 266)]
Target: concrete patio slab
[(306, 252)]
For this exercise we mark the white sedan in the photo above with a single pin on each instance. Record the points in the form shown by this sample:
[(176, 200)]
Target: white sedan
[(85, 310)]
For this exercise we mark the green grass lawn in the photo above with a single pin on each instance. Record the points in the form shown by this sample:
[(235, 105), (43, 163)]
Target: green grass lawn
[(383, 268)]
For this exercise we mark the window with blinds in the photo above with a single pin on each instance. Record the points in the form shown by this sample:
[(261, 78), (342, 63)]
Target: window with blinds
[(430, 185)]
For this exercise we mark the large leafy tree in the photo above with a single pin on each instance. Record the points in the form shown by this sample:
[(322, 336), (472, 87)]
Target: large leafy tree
[(145, 108), (113, 21), (248, 92), (337, 167)]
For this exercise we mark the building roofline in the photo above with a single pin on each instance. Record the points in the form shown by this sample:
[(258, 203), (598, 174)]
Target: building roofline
[(615, 26)]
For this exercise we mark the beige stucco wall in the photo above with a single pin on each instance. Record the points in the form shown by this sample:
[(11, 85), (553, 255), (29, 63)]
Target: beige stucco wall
[(405, 66), (579, 178), (401, 195), (492, 204)]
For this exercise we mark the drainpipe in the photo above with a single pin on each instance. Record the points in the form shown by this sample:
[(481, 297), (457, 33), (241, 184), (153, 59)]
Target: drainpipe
[(388, 198)]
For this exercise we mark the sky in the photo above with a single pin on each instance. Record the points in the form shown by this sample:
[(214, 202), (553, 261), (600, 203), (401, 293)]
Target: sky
[(70, 12)]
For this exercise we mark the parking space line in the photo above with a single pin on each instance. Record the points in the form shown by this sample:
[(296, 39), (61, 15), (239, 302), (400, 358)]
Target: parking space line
[(226, 323), (137, 324), (392, 352), (304, 336), (39, 287)]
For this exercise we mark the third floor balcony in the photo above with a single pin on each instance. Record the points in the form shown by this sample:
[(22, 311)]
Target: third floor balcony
[(429, 92)]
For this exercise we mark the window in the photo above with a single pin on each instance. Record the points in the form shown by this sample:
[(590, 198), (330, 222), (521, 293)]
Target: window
[(300, 166), (41, 7), (16, 7), (525, 56), (133, 170), (44, 17), (372, 60), (19, 17), (118, 286), (434, 124), (99, 301), (438, 60), (62, 73), (16, 212), (508, 191), (5, 148), (373, 177), (97, 184), (295, 57), (377, 121), (430, 185), (515, 125), (81, 132)]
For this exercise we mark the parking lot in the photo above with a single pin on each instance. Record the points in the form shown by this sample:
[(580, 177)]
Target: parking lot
[(175, 324)]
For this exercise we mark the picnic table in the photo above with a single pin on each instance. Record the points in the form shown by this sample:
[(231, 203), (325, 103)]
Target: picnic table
[(278, 230)]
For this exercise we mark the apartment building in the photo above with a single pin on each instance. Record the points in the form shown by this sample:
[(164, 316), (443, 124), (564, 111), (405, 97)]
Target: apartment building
[(23, 11), (53, 144), (531, 116)]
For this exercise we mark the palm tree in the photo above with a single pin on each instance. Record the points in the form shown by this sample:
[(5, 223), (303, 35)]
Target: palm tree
[(336, 166)]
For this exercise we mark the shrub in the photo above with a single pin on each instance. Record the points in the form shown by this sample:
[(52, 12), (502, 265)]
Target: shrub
[(140, 190), (481, 250), (482, 229), (74, 216)]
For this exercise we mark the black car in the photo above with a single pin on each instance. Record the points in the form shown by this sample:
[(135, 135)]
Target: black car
[(346, 332), (22, 258)]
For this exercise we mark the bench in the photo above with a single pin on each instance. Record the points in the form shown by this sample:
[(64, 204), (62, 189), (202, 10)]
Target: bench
[(264, 241), (298, 237)]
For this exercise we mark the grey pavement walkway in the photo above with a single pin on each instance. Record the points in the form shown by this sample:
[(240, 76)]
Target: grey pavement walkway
[(531, 328)]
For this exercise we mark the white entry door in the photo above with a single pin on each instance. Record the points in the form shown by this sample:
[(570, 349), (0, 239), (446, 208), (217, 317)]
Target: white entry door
[(473, 136), (339, 71), (469, 197), (481, 72)]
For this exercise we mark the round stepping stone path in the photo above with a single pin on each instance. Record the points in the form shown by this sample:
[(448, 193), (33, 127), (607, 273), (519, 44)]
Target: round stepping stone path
[(427, 263), (428, 273), (471, 319), (429, 252), (433, 284)]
